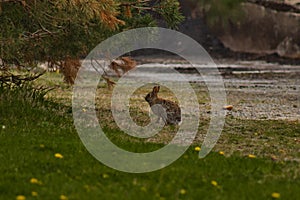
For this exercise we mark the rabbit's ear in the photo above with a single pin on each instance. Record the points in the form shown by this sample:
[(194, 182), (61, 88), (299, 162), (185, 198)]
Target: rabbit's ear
[(156, 89)]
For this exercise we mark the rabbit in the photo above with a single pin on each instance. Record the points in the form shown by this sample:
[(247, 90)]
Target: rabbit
[(169, 111)]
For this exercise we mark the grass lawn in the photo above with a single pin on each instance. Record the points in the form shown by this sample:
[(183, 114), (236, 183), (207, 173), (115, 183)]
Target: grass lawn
[(42, 157)]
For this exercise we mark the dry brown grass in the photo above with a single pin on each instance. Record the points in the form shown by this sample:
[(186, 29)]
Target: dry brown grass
[(122, 66), (69, 68)]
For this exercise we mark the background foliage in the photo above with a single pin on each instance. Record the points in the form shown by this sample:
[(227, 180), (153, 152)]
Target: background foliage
[(221, 13), (34, 31)]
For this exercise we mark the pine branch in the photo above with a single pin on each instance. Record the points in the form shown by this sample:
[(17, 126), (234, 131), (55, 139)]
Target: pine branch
[(134, 3)]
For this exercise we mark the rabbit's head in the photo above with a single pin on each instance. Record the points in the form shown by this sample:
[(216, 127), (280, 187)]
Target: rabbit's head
[(152, 96)]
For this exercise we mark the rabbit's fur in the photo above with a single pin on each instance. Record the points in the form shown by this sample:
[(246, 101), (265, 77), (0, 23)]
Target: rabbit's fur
[(169, 111)]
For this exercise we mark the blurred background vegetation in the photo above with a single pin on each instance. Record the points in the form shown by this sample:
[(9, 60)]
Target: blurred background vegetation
[(34, 31), (39, 31)]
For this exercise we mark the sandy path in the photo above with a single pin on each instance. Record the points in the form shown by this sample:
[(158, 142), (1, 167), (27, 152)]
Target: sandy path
[(258, 90)]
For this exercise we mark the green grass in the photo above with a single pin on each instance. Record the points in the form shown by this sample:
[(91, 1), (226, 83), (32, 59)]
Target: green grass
[(36, 129)]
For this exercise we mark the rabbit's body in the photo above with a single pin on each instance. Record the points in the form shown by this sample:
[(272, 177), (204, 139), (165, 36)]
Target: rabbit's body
[(167, 110)]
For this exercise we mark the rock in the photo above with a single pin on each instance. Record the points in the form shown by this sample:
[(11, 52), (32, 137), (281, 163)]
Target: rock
[(288, 48), (228, 107), (263, 31)]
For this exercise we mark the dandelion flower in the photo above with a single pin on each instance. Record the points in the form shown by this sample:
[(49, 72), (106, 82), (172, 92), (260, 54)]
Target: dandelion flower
[(63, 197), (197, 148), (105, 175), (221, 153), (182, 191), (20, 197), (214, 183), (34, 181), (3, 127), (134, 181), (34, 194), (58, 155), (251, 156), (275, 195)]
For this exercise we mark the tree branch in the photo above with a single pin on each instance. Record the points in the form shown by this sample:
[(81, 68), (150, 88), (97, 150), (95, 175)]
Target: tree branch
[(134, 3)]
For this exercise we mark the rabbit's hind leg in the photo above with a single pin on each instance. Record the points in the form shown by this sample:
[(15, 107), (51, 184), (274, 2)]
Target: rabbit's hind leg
[(165, 119), (158, 119)]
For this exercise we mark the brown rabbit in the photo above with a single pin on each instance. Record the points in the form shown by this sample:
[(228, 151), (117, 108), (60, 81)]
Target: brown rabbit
[(167, 110)]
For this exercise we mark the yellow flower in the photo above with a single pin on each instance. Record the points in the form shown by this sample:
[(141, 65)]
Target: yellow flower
[(221, 153), (20, 197), (197, 148), (34, 194), (251, 156), (275, 195), (58, 155), (182, 191), (63, 197), (134, 182), (214, 183), (42, 146), (105, 175), (34, 181)]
